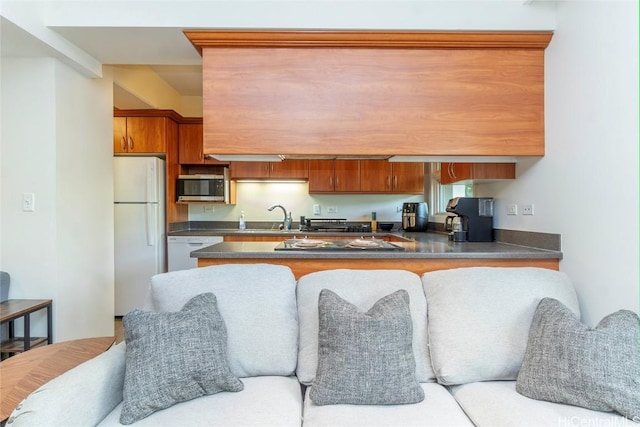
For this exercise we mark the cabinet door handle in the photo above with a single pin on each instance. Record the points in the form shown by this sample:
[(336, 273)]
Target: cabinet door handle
[(330, 181), (337, 183), (389, 182), (453, 171), (123, 143), (130, 143), (395, 182), (200, 155)]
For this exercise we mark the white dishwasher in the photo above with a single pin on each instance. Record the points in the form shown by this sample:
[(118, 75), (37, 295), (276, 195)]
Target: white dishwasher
[(179, 250)]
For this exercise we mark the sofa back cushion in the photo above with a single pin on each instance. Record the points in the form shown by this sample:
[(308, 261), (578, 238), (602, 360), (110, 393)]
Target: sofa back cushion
[(479, 318), (361, 288), (257, 303)]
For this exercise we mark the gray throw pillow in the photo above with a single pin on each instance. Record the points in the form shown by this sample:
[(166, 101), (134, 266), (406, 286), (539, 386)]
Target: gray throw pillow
[(568, 362), (174, 357), (365, 358)]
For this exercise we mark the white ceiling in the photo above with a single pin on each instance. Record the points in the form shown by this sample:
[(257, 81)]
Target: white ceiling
[(88, 34)]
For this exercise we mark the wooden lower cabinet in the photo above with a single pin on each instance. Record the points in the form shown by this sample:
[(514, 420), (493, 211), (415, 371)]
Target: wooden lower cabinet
[(457, 172)]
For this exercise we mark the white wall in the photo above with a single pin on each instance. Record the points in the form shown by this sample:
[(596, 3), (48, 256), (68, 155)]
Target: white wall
[(56, 143), (586, 187), (255, 197)]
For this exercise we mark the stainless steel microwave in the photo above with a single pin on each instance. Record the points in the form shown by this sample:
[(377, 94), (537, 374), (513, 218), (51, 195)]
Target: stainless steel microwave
[(203, 188)]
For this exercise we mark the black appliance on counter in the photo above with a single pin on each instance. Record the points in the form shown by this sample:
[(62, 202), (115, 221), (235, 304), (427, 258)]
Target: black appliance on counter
[(332, 224), (474, 216), (415, 216)]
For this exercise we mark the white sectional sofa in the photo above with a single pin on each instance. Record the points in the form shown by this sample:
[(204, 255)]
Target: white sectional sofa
[(469, 334)]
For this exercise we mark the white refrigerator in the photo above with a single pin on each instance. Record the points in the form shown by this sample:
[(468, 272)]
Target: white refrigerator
[(139, 206)]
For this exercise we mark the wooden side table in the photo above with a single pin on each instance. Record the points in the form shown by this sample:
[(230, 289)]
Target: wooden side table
[(25, 372), (13, 309)]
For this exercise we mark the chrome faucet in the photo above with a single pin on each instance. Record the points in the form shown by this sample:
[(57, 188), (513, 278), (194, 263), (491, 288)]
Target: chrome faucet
[(284, 211)]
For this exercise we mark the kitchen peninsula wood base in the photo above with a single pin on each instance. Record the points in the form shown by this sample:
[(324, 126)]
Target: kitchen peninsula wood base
[(300, 267)]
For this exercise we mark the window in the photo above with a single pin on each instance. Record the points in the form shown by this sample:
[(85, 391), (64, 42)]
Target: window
[(449, 191), (439, 195)]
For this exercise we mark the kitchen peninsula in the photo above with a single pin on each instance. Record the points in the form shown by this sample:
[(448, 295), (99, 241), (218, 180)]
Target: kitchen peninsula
[(421, 252)]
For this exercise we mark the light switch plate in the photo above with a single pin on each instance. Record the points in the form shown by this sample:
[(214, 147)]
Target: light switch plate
[(512, 209), (316, 209), (28, 202)]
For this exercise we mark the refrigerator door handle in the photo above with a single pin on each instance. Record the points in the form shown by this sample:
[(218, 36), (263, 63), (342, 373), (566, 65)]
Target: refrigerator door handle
[(150, 221), (151, 181)]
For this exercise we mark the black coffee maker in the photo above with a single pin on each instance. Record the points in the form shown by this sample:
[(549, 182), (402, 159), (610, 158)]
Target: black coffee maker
[(415, 216), (473, 219)]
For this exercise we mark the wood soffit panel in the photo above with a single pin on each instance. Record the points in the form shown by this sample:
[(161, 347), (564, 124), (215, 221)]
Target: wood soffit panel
[(370, 39)]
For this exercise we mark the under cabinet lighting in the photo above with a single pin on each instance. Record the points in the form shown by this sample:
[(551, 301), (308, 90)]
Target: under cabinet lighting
[(247, 157), (455, 159)]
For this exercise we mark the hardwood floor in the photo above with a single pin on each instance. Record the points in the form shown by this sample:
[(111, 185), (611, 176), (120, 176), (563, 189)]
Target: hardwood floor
[(119, 333)]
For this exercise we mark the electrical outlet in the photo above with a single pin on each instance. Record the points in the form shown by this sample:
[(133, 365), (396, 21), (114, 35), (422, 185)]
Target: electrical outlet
[(527, 209), (332, 209), (316, 209), (209, 208), (512, 209), (28, 202)]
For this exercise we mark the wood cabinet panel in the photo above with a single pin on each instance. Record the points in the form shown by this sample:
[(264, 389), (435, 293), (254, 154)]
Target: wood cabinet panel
[(300, 267), (334, 176), (293, 169), (191, 150), (457, 172), (286, 169), (346, 175), (120, 144), (381, 176), (408, 177), (375, 176), (321, 176), (139, 134), (190, 137), (376, 100), (249, 170)]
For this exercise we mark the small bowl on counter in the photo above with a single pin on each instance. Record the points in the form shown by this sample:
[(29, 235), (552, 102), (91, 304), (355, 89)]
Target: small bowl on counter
[(385, 226)]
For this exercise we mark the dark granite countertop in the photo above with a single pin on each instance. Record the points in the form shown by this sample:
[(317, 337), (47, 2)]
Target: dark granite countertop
[(417, 246)]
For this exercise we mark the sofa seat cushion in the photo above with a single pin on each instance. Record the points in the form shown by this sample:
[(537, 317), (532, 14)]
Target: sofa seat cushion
[(361, 288), (265, 401), (479, 318), (258, 304), (437, 409), (497, 403)]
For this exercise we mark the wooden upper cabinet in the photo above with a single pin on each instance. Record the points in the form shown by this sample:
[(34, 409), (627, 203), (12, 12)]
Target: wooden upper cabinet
[(457, 172), (293, 169), (381, 176), (408, 177), (190, 137), (191, 150), (375, 176), (373, 93), (249, 170), (334, 176), (139, 134), (286, 169)]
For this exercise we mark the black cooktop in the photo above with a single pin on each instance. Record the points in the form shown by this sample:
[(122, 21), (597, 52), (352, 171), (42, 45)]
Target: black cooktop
[(337, 245)]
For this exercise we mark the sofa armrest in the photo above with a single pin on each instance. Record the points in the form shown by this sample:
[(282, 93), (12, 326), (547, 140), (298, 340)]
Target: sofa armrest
[(83, 395)]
